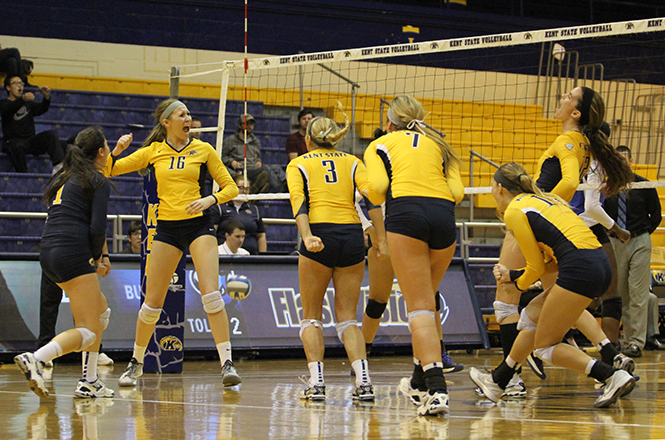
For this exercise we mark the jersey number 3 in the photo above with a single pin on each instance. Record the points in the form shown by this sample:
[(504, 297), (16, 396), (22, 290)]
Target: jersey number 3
[(177, 163), (331, 176)]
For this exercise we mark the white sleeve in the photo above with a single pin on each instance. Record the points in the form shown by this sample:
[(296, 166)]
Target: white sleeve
[(363, 218), (592, 205)]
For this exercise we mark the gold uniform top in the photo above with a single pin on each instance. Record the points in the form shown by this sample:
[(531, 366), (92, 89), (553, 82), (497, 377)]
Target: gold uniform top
[(322, 184), (180, 175), (542, 227), (563, 165), (409, 164)]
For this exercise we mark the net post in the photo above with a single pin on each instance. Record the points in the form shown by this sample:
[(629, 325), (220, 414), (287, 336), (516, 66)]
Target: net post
[(221, 116), (174, 83)]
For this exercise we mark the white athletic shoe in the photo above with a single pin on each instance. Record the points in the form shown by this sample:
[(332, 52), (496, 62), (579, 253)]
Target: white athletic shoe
[(104, 360), (436, 403), (315, 393), (515, 388), (621, 383), (623, 362), (131, 374), (32, 368), (484, 381), (417, 397), (364, 393), (230, 376), (88, 390)]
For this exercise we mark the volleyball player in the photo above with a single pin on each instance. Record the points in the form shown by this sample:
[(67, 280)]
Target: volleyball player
[(72, 253), (322, 184), (543, 224), (559, 170), (179, 164), (417, 173)]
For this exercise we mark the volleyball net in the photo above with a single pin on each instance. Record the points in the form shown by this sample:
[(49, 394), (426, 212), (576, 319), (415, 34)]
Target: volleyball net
[(493, 95)]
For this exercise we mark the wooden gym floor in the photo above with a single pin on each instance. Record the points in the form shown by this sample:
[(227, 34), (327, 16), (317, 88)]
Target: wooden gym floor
[(194, 405)]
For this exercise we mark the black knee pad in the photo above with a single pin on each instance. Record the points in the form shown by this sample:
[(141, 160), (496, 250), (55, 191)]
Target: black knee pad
[(612, 308), (375, 309), (437, 299)]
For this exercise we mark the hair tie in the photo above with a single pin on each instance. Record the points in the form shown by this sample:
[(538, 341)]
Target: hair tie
[(326, 133), (417, 124), (167, 112)]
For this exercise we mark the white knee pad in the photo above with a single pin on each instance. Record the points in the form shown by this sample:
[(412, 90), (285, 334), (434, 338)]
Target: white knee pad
[(525, 323), (212, 302), (342, 326), (88, 338), (415, 313), (503, 310), (545, 354), (104, 318), (308, 322), (149, 315)]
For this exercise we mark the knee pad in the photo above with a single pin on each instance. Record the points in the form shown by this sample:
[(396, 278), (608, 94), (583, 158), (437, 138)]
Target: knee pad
[(503, 310), (309, 322), (525, 323), (212, 302), (342, 326), (437, 300), (104, 318), (612, 308), (88, 338), (375, 309), (545, 353), (416, 313), (149, 315)]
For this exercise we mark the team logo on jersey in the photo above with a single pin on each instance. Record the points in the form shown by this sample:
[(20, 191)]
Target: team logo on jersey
[(192, 153), (570, 146), (248, 211), (92, 262), (170, 343)]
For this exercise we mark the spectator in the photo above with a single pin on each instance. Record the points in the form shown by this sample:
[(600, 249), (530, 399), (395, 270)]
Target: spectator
[(245, 213), (18, 126), (235, 235), (653, 331), (12, 65), (233, 154), (638, 211), (196, 123), (133, 239), (295, 144)]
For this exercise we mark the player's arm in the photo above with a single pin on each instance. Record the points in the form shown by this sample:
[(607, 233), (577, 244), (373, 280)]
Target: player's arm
[(228, 190), (136, 161), (516, 221), (454, 179), (570, 170), (376, 175), (97, 229)]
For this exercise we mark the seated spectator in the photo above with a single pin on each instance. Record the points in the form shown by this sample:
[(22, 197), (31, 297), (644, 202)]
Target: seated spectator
[(295, 144), (653, 331), (133, 238), (235, 236), (12, 65), (233, 154), (196, 123), (18, 126), (244, 212)]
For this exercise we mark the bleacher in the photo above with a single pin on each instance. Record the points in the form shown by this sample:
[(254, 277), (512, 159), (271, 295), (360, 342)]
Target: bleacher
[(118, 114)]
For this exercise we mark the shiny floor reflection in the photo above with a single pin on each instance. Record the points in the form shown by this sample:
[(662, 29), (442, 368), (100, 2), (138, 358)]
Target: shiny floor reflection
[(195, 405)]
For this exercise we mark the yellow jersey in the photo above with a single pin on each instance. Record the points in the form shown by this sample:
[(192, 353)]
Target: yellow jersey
[(408, 164), (180, 175), (563, 165), (543, 227), (322, 184)]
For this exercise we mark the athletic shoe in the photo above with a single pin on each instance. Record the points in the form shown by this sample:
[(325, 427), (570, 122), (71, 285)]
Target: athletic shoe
[(515, 388), (484, 380), (230, 376), (623, 362), (315, 393), (621, 383), (87, 390), (536, 365), (448, 365), (364, 393), (436, 403), (479, 392), (416, 396), (132, 373), (32, 368), (104, 360)]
